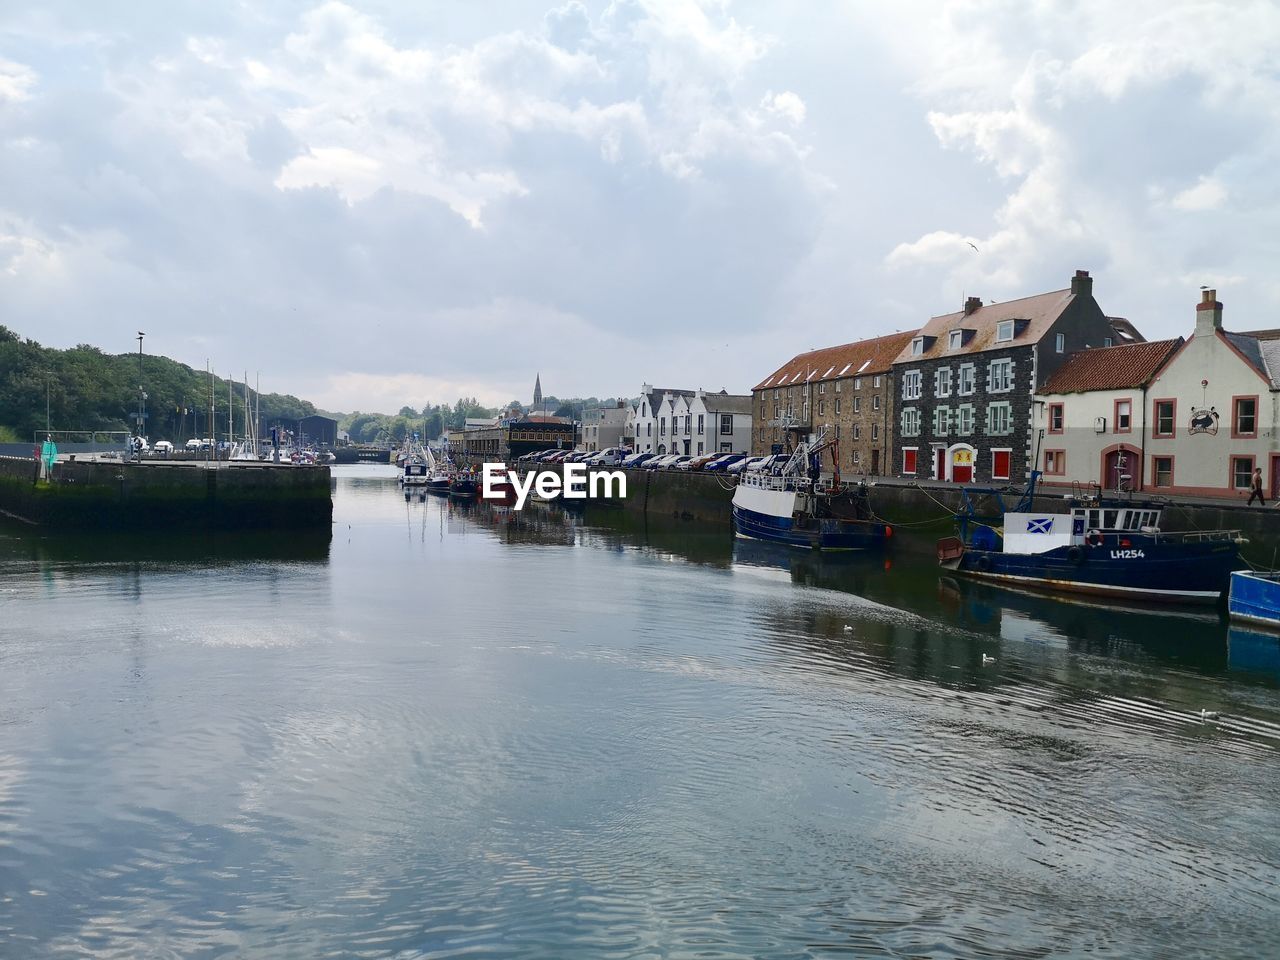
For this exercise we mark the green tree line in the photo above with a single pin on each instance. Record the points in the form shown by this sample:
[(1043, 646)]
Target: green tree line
[(87, 389)]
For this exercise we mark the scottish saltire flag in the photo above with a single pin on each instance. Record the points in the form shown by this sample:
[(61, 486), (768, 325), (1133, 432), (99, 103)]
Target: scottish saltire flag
[(1041, 525)]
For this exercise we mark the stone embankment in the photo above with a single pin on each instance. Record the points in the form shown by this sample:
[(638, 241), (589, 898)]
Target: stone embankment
[(105, 494)]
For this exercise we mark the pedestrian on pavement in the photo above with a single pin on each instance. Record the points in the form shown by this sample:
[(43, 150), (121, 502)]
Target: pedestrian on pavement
[(1255, 488)]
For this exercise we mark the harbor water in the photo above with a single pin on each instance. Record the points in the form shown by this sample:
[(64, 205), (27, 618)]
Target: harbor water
[(452, 731)]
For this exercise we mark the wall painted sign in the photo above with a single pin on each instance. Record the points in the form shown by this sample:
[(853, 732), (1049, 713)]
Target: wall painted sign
[(962, 458)]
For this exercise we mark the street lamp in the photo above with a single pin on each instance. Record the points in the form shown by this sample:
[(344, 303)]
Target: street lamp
[(142, 396)]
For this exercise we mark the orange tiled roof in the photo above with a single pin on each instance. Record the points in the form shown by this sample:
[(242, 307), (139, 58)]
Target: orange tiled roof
[(1111, 368), (860, 358)]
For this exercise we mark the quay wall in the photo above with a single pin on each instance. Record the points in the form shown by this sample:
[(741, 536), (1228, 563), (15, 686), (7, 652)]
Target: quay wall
[(156, 495), (922, 513)]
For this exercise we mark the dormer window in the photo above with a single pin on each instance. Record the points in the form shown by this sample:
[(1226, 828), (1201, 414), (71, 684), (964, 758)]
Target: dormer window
[(1004, 331), (1106, 341), (917, 346), (955, 340)]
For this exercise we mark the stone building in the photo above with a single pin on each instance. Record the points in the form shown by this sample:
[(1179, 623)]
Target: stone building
[(847, 389), (965, 383)]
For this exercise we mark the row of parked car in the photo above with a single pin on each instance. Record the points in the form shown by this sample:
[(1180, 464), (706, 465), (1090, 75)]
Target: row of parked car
[(620, 456)]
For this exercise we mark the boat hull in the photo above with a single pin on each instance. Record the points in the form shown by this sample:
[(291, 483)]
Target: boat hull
[(770, 515), (1255, 599), (1156, 571)]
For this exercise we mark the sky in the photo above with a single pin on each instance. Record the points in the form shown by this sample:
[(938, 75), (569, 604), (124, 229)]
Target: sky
[(371, 203)]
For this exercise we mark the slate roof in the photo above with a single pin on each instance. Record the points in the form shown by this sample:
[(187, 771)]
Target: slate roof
[(727, 402), (1250, 346), (1039, 312), (1111, 368), (862, 357)]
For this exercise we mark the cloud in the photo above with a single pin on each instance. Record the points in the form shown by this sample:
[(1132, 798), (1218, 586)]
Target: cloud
[(1207, 194), (16, 81)]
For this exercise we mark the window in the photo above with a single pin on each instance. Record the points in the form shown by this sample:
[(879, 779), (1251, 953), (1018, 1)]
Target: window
[(648, 429), (1055, 462), (699, 448), (1004, 331), (822, 388), (875, 431), (857, 432), (917, 346), (857, 457), (999, 419), (1123, 418), (1000, 375), (964, 419), (702, 423), (908, 459), (1059, 343), (1162, 470), (1000, 464), (857, 383), (1107, 341), (1241, 472), (1244, 417), (875, 402), (726, 424), (838, 406), (967, 377), (857, 404), (838, 382), (1166, 418), (955, 339), (911, 388), (942, 381), (662, 427), (837, 432), (941, 421), (910, 422), (875, 381), (726, 448), (1056, 417), (822, 408)]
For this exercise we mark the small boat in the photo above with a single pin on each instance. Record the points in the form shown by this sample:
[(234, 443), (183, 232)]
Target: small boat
[(414, 474), (796, 508), (1103, 547), (1255, 597), (464, 486)]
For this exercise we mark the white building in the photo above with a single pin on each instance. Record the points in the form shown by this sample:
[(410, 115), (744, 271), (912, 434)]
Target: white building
[(1090, 415), (721, 423)]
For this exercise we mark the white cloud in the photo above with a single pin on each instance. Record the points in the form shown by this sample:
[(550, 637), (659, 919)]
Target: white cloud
[(16, 81), (1207, 194), (786, 105)]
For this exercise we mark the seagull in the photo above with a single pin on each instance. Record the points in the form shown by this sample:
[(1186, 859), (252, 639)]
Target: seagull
[(987, 659), (848, 629), (1208, 715), (975, 249)]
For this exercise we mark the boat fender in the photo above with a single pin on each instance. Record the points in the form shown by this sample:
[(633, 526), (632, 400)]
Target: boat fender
[(1075, 554), (1094, 539), (983, 563)]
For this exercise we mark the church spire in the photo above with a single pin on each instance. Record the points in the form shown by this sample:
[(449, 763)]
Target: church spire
[(537, 391)]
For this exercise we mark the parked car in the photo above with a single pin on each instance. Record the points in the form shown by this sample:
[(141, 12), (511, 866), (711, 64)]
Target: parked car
[(677, 460), (162, 446), (659, 462), (637, 459), (725, 461), (699, 462), (756, 464), (610, 456)]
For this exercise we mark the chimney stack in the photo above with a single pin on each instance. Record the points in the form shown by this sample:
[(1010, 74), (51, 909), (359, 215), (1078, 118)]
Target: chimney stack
[(972, 304), (1208, 314), (1082, 284)]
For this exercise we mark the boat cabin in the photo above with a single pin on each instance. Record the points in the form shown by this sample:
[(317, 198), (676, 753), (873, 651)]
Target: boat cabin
[(1083, 526)]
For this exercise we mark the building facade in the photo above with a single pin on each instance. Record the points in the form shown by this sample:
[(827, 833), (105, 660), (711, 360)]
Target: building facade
[(719, 423), (1091, 416), (650, 434), (1213, 411), (603, 427), (966, 382), (845, 390)]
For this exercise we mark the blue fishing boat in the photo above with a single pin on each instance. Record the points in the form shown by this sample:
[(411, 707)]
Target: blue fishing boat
[(1255, 597), (1103, 547), (797, 507)]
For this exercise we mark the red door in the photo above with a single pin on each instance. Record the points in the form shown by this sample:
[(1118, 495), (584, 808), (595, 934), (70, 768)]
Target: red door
[(962, 472), (1275, 476), (940, 464), (1118, 474)]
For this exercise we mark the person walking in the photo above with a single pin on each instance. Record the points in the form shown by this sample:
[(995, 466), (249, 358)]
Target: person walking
[(1255, 488)]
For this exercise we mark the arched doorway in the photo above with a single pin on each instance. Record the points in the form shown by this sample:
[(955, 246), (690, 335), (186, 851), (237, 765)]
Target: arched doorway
[(960, 459), (1121, 468), (662, 448)]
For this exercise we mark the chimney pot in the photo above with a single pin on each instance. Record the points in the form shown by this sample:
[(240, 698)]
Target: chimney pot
[(1208, 313), (972, 304)]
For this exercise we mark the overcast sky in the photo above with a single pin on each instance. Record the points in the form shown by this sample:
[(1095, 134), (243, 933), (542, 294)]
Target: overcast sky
[(381, 202)]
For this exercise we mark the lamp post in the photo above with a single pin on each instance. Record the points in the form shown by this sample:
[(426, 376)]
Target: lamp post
[(142, 396)]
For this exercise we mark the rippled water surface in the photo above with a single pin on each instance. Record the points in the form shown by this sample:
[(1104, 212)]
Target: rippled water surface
[(445, 732)]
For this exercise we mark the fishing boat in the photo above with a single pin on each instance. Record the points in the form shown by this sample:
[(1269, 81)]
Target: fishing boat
[(440, 473), (464, 486), (1099, 546), (795, 506), (1255, 597)]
